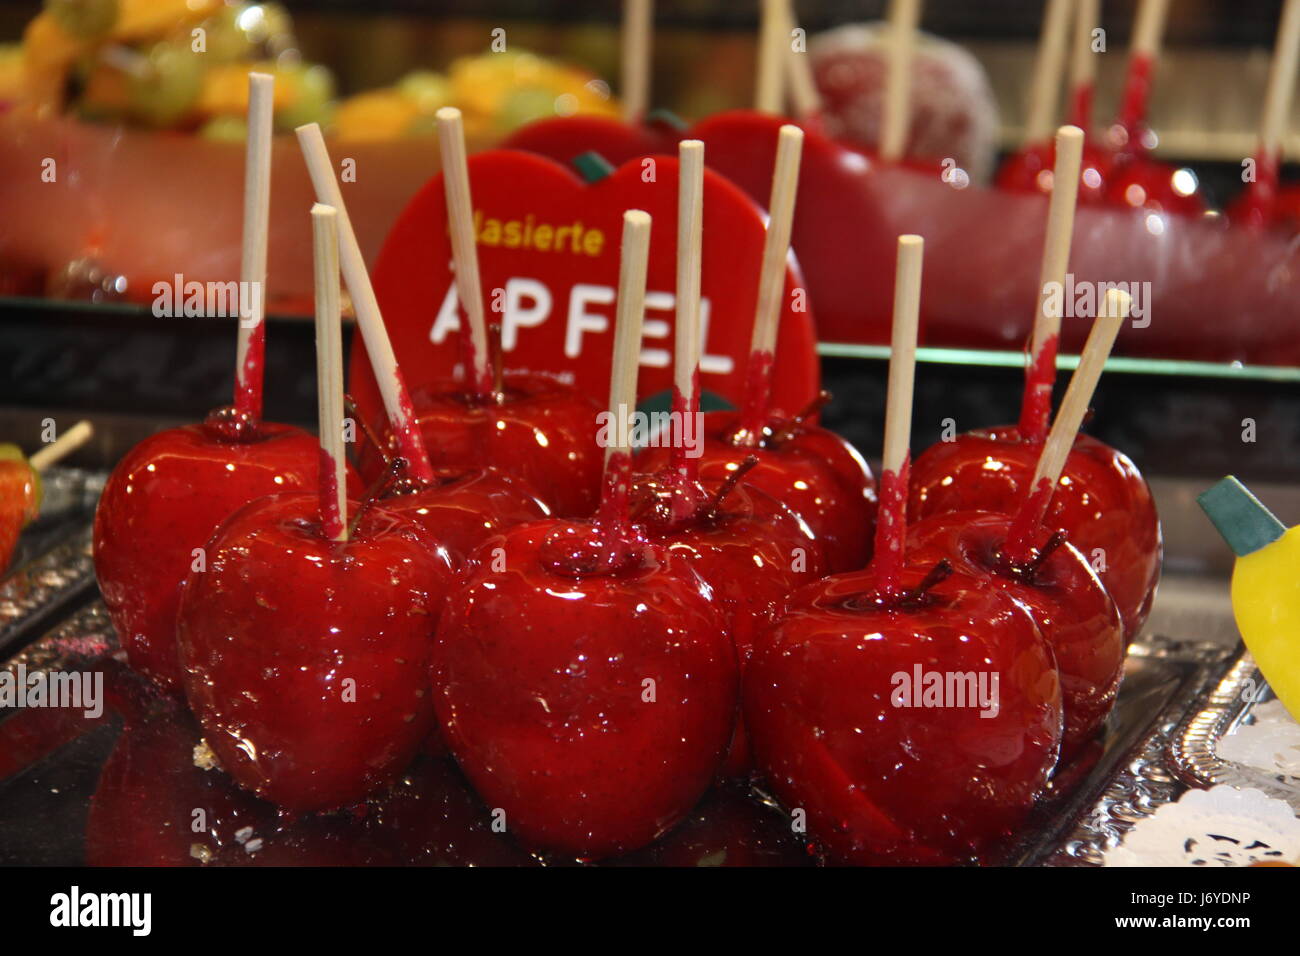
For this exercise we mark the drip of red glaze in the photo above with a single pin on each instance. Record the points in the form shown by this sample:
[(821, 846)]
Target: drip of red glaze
[(248, 380), (758, 389), (613, 518), (479, 381), (498, 363), (330, 519), (1137, 93), (410, 443), (1036, 404), (1019, 546), (1260, 201), (891, 531), (684, 465)]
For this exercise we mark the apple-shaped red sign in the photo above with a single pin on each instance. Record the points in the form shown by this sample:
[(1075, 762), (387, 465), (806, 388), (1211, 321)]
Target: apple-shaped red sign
[(548, 257)]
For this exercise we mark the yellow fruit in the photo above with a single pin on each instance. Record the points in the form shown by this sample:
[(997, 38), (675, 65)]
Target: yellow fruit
[(1266, 603), (154, 19), (377, 116), (225, 89)]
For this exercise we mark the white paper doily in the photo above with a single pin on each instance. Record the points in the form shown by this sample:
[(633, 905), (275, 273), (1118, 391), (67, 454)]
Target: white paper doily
[(1271, 743), (1222, 826)]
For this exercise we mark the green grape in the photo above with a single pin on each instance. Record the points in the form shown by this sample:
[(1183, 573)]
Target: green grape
[(83, 18), (313, 88), (524, 106), (225, 129), (428, 89), (227, 41), (169, 86)]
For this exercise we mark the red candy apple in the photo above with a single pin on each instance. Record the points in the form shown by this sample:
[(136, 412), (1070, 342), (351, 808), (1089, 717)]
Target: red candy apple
[(1067, 601), (1102, 504), (161, 505), (1030, 170), (811, 470), (592, 702), (306, 659), (839, 701), (533, 428)]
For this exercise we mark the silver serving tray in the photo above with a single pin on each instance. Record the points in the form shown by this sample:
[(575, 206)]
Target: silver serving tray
[(1194, 750), (1174, 693)]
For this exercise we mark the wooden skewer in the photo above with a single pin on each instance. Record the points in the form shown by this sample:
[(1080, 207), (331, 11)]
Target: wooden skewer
[(1149, 28), (397, 403), (1083, 62), (252, 262), (1281, 81), (807, 99), (1060, 230), (776, 243), (638, 25), (464, 251), (329, 372), (690, 236), (63, 446), (1082, 384), (629, 315), (1049, 61), (768, 88), (902, 353), (904, 15), (891, 518)]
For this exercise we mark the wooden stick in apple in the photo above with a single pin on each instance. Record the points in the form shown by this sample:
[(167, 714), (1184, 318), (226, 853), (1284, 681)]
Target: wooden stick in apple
[(1036, 406), (1083, 63), (1148, 32), (397, 402), (1049, 62), (612, 515), (1056, 449), (891, 519), (769, 88), (638, 27), (250, 351), (686, 345), (464, 251), (1277, 100), (904, 15), (771, 281), (804, 94), (329, 372), (62, 446)]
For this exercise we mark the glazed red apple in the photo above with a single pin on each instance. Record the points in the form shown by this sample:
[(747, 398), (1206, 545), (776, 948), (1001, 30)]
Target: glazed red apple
[(534, 428), (1138, 182), (306, 660), (884, 783), (815, 473), (1066, 599), (1102, 504), (590, 700), (1030, 170), (749, 548), (463, 507), (164, 500)]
